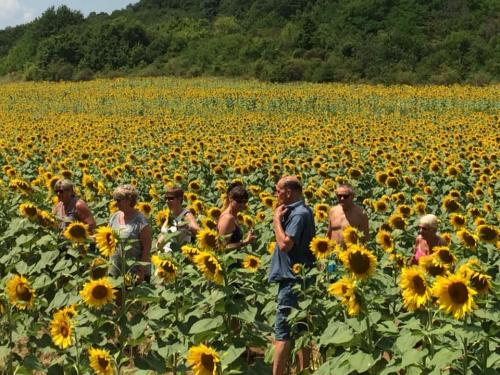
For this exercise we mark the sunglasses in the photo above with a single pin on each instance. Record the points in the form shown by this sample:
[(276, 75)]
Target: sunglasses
[(343, 196), (423, 228), (170, 198)]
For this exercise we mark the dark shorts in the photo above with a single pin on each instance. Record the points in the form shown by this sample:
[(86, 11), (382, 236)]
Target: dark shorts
[(287, 299)]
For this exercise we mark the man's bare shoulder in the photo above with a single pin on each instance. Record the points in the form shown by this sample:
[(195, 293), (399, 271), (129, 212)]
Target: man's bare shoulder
[(81, 204)]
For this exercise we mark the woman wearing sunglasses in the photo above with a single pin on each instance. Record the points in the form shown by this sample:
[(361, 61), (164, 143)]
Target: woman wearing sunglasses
[(132, 227), (427, 237), (70, 208), (228, 226), (181, 221)]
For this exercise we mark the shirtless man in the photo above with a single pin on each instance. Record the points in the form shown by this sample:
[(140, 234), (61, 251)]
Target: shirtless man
[(345, 214)]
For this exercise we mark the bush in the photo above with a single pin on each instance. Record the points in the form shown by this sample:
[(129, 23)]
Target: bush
[(84, 74)]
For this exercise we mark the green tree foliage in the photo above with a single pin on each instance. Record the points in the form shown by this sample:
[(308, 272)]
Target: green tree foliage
[(383, 41)]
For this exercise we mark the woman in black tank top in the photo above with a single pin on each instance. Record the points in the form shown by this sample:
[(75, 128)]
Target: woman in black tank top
[(227, 226)]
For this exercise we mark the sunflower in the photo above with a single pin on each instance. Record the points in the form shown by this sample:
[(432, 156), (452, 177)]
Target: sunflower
[(209, 223), (210, 266), (248, 221), (208, 239), (165, 268), (345, 291), (398, 260), (454, 295), (416, 293), (487, 233), (479, 221), (271, 246), (251, 263), (321, 216), (98, 268), (359, 261), (61, 330), (352, 236), (480, 281), (321, 247), (19, 292), (101, 361), (261, 216), (112, 207), (28, 210), (46, 219), (77, 232), (97, 293), (381, 177), (457, 220), (203, 359), (451, 204), (442, 256), (68, 312), (467, 238), (392, 182), (385, 241), (106, 240), (396, 221), (296, 268), (380, 206), (404, 210), (446, 237), (162, 216), (145, 208), (195, 185), (214, 213), (429, 265), (189, 251)]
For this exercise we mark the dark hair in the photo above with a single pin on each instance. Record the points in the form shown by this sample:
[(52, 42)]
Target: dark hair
[(176, 191), (237, 192), (293, 185)]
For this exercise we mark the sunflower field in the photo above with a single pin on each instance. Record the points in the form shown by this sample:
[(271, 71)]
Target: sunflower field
[(406, 150)]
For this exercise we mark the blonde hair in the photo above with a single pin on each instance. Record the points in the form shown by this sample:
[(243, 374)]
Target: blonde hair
[(126, 192), (430, 221), (63, 184)]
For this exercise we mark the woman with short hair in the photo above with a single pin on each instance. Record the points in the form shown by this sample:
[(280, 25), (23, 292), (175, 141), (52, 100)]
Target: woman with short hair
[(70, 208), (131, 225), (427, 238)]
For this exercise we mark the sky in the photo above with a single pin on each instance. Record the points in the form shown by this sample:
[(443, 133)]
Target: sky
[(16, 12)]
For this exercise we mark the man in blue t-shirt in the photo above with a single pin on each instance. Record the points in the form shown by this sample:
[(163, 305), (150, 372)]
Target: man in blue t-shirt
[(293, 224)]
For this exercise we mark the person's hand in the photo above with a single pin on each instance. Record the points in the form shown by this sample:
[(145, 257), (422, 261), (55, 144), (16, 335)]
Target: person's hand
[(250, 237), (139, 278), (280, 211)]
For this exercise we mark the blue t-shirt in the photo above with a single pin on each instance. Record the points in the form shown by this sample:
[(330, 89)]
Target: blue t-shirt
[(298, 224)]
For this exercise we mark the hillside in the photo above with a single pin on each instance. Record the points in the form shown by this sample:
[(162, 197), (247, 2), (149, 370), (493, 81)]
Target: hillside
[(378, 41)]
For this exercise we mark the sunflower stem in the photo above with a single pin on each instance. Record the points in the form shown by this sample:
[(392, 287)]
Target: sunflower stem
[(11, 329), (466, 357), (77, 347), (369, 332), (486, 349), (228, 298)]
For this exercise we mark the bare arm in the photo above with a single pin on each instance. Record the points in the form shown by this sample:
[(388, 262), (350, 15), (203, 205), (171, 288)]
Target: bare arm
[(85, 215), (193, 225), (330, 230), (284, 242), (226, 226), (364, 227)]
